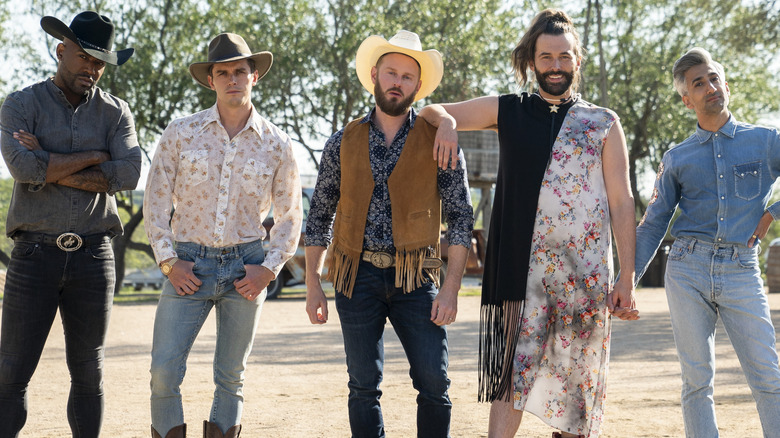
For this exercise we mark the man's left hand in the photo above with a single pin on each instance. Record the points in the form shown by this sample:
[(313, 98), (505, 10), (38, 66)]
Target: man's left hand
[(27, 140), (445, 306), (257, 278), (761, 229), (622, 302)]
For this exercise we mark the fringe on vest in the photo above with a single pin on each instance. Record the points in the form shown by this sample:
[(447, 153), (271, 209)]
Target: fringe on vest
[(409, 272), (499, 331), (343, 270)]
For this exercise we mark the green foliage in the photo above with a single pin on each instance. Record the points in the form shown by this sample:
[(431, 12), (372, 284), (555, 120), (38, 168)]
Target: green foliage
[(641, 40)]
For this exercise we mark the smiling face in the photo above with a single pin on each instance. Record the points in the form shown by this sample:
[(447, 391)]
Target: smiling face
[(77, 71), (396, 82), (708, 93), (233, 82), (555, 64)]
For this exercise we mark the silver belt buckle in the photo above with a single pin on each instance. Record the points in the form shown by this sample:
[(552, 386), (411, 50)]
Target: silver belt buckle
[(381, 259), (69, 242)]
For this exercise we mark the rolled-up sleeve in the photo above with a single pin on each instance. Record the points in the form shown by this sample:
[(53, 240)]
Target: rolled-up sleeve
[(456, 201), (25, 166), (124, 168)]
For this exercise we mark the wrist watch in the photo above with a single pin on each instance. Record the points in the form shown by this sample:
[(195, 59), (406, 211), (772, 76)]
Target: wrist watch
[(167, 266)]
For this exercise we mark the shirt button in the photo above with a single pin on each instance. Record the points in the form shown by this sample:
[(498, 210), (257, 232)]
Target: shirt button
[(721, 176), (721, 219), (722, 197), (718, 155), (720, 239)]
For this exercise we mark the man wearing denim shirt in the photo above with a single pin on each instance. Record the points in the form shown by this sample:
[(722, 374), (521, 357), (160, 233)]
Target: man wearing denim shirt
[(69, 146), (721, 179), (378, 178)]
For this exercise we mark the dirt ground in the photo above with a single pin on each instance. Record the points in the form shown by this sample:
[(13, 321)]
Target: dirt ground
[(296, 381)]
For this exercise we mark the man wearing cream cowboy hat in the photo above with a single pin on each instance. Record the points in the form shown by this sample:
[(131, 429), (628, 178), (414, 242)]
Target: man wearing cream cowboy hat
[(69, 146), (378, 178), (219, 171)]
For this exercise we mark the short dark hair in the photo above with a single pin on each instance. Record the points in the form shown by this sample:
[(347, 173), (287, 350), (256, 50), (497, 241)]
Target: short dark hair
[(250, 61), (552, 22)]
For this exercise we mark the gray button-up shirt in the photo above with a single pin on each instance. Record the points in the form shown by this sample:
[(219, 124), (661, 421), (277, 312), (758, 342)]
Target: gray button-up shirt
[(101, 122)]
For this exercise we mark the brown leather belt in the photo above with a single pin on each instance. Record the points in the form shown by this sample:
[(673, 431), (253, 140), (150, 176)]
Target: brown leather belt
[(382, 259)]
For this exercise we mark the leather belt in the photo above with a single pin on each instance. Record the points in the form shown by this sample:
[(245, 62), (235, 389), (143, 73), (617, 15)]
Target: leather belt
[(382, 259), (66, 241)]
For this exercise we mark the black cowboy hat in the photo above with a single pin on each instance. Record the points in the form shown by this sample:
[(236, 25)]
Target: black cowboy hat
[(229, 47), (94, 33)]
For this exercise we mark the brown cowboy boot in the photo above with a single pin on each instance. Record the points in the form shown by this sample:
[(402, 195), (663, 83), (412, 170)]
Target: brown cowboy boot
[(179, 431), (559, 435), (211, 430)]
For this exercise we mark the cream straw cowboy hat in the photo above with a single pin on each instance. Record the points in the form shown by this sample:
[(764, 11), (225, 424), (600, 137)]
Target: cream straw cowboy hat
[(229, 47), (404, 42)]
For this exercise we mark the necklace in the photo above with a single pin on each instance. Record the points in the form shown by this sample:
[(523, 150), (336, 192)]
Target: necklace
[(554, 108)]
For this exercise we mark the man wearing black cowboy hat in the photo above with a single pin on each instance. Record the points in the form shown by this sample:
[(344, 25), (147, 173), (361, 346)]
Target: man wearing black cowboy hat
[(70, 147), (220, 171)]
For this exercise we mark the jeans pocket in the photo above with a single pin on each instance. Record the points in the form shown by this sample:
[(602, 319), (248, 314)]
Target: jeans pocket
[(25, 249), (101, 251), (747, 260), (678, 252)]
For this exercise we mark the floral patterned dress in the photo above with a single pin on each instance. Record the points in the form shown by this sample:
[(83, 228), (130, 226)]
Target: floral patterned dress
[(560, 366)]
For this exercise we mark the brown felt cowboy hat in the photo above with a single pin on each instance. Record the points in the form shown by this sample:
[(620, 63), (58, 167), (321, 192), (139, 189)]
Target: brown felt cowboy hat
[(406, 43), (94, 33), (229, 47)]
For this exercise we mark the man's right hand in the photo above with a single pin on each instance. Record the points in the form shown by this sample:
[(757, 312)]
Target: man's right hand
[(316, 303), (183, 279)]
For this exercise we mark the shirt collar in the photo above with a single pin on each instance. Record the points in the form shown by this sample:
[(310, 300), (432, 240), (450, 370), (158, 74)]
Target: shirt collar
[(56, 91), (370, 117), (729, 129), (211, 115)]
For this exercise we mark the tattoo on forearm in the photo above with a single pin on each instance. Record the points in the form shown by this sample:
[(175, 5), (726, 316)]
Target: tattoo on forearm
[(91, 180)]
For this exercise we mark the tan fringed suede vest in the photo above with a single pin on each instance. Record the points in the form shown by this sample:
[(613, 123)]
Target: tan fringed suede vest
[(416, 207)]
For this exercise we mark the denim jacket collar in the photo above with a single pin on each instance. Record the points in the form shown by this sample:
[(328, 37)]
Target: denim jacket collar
[(729, 129)]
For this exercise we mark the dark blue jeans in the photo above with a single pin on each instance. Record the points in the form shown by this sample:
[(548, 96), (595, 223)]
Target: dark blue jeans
[(374, 300), (40, 280)]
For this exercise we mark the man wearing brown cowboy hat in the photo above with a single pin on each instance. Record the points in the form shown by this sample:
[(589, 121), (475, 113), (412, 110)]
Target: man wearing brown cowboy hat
[(220, 171), (70, 147), (378, 178)]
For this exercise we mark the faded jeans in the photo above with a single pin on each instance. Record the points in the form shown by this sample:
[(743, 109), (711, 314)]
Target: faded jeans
[(703, 281), (42, 279), (180, 318)]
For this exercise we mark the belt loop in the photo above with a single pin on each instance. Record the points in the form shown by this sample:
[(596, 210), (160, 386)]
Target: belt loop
[(691, 246), (735, 253), (202, 251)]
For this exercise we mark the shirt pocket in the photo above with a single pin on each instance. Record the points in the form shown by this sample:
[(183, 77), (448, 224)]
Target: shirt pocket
[(256, 178), (194, 167), (747, 180)]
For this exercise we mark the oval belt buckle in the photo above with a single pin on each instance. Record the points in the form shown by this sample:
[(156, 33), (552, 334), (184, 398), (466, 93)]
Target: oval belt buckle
[(69, 242), (381, 260)]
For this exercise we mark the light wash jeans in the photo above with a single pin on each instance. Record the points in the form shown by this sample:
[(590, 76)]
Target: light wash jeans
[(180, 318), (704, 280)]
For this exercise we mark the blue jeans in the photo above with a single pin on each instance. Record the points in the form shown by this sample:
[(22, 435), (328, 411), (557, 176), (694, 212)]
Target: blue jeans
[(374, 300), (180, 318), (41, 279), (703, 281)]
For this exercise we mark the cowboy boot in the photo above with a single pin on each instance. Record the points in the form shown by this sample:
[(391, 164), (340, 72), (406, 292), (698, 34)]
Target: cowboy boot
[(179, 431), (559, 435), (211, 430)]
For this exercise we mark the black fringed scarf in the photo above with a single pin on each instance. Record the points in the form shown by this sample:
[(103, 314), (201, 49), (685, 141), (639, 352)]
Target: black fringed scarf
[(525, 130)]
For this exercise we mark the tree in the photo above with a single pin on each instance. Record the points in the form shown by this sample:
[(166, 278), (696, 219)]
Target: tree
[(647, 37)]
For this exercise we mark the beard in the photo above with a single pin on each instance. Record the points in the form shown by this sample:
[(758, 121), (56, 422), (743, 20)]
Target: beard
[(555, 89), (392, 106)]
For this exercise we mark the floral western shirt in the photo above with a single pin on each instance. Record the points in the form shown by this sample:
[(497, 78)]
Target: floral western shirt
[(221, 189)]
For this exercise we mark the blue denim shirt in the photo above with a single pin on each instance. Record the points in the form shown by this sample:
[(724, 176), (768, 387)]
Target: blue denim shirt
[(721, 181), (101, 122), (453, 189)]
